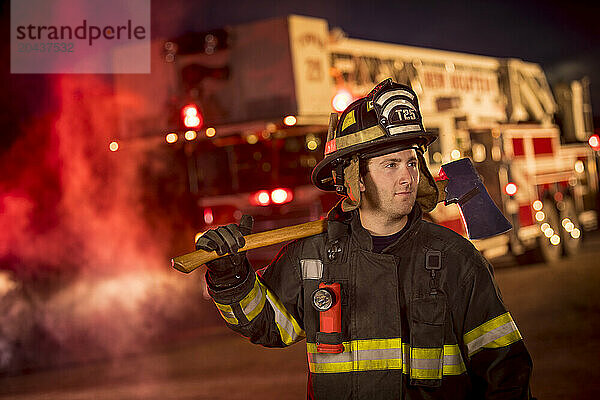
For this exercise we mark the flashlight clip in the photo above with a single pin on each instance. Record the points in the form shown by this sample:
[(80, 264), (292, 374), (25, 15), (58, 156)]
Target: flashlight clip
[(330, 319)]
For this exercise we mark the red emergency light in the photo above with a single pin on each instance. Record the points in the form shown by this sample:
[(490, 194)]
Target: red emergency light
[(260, 198), (275, 196), (281, 196), (208, 216), (594, 142), (192, 118)]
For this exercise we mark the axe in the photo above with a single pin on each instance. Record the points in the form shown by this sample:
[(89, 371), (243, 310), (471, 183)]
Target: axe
[(460, 182)]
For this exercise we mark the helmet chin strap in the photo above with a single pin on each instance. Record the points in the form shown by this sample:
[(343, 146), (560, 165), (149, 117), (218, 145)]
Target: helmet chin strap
[(428, 190), (338, 177)]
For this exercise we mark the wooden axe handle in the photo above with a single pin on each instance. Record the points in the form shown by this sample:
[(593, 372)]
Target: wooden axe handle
[(190, 261)]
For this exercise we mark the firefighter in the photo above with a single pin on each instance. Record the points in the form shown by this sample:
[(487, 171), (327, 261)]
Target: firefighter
[(391, 306)]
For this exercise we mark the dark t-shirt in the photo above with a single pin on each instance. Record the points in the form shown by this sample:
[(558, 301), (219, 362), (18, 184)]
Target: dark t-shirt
[(381, 242)]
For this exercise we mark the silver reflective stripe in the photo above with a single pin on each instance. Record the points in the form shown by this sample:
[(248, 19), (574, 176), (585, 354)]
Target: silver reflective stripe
[(394, 130), (311, 269), (383, 98), (490, 336), (330, 358), (227, 313), (425, 363), (452, 359), (357, 355), (255, 302), (401, 102), (289, 335)]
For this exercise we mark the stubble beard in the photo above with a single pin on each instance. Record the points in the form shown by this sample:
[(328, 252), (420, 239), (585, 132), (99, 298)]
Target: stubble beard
[(398, 210), (391, 210)]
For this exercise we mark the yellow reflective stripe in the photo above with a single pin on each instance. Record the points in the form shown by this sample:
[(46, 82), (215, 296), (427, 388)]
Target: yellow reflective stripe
[(359, 137), (330, 368), (425, 373), (375, 344), (288, 327), (426, 363), (508, 339), (406, 357), (380, 354), (453, 361), (359, 355), (497, 332), (363, 360), (454, 369), (227, 313), (487, 326), (451, 350), (426, 354), (254, 301), (317, 365), (350, 119), (365, 344)]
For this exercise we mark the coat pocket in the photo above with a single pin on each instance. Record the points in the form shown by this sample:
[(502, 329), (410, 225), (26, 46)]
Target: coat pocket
[(426, 351)]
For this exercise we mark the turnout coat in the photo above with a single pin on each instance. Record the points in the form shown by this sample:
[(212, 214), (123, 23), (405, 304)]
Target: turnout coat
[(424, 319)]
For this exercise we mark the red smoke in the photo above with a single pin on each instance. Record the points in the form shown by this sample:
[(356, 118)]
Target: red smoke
[(89, 277)]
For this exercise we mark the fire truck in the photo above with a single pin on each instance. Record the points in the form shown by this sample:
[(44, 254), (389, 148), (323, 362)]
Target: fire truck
[(248, 106)]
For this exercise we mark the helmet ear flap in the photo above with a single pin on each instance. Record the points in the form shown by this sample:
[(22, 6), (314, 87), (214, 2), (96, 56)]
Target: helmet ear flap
[(427, 191), (352, 185), (346, 177)]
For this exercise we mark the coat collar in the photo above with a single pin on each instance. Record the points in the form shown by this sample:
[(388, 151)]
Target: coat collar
[(365, 241), (340, 221)]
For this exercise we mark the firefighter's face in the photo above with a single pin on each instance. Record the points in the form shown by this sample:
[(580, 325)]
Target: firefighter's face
[(389, 186)]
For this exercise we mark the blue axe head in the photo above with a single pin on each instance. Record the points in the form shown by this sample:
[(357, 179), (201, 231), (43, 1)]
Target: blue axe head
[(480, 214)]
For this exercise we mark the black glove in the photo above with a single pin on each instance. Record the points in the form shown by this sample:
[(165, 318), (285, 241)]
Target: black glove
[(228, 270)]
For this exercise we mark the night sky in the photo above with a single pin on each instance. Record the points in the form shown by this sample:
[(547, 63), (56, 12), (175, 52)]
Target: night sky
[(564, 37)]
